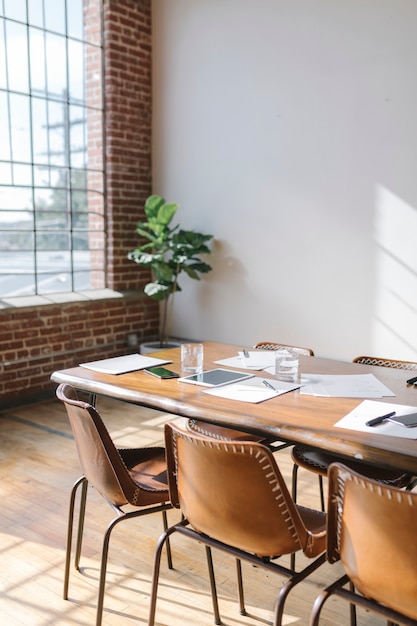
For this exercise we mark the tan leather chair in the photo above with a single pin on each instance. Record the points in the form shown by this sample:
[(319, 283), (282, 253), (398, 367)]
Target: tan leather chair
[(371, 529), (135, 476), (318, 462), (234, 498), (228, 434)]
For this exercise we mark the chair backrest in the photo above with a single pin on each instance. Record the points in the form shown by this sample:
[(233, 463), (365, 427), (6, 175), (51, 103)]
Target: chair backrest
[(100, 460), (235, 493), (273, 345), (372, 530), (394, 363)]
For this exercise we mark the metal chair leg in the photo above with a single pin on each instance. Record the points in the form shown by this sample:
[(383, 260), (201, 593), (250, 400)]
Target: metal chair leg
[(81, 481), (240, 587), (213, 588), (81, 518)]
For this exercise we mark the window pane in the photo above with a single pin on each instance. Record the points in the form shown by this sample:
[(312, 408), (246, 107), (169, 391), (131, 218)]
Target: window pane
[(16, 198), (20, 128), (37, 61), (35, 10), (22, 174), (15, 9), (76, 70), (57, 66), (17, 57), (40, 130), (3, 81), (75, 19), (57, 133), (55, 15)]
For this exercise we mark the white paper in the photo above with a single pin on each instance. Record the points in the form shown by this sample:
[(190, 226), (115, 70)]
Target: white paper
[(257, 360), (368, 409), (344, 386), (124, 364), (252, 390)]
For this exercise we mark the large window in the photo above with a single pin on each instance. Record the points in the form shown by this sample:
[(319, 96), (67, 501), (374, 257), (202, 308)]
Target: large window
[(52, 227)]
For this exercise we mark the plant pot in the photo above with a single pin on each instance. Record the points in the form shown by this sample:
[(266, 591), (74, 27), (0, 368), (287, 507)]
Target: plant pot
[(155, 346)]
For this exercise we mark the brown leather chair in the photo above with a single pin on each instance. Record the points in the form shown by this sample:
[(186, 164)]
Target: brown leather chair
[(134, 476), (371, 529), (233, 497), (227, 434), (318, 462)]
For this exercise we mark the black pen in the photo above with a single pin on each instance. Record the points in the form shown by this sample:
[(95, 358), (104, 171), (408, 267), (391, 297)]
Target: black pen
[(267, 384), (245, 354), (379, 420), (412, 381)]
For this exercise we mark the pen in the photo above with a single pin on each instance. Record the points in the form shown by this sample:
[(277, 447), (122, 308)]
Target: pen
[(379, 420), (267, 384), (412, 381), (246, 354)]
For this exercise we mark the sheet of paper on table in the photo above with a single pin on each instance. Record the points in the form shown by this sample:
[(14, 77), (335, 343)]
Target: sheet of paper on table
[(368, 409), (343, 386), (252, 390), (256, 360), (124, 364)]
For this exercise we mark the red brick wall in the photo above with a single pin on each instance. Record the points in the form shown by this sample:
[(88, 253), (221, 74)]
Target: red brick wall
[(35, 341)]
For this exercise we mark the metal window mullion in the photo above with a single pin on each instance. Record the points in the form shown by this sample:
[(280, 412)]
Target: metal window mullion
[(67, 144)]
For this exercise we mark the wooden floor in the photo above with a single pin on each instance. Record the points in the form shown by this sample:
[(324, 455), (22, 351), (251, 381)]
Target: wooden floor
[(38, 466)]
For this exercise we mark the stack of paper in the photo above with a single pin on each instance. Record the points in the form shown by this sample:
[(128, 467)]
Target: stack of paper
[(253, 390), (124, 364), (344, 386), (369, 409)]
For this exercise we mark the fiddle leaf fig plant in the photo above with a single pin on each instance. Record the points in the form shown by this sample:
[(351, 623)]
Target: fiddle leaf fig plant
[(167, 252)]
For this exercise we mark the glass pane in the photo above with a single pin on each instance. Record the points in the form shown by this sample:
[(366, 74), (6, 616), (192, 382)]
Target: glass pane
[(57, 133), (37, 61), (52, 241), (79, 179), (94, 75), (56, 71), (76, 70), (15, 220), (82, 281), (79, 203), (40, 130), (92, 22), (16, 241), (93, 143), (77, 136), (6, 173), (17, 284), (35, 10), (80, 242), (20, 128), (17, 57), (52, 220), (75, 19), (97, 280), (55, 15), (22, 174), (3, 81), (50, 177), (15, 9), (16, 198), (54, 283)]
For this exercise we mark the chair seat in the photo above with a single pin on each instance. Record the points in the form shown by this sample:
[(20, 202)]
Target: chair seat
[(319, 462), (147, 467)]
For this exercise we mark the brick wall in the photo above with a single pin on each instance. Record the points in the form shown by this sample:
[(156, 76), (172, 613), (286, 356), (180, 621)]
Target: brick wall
[(35, 341)]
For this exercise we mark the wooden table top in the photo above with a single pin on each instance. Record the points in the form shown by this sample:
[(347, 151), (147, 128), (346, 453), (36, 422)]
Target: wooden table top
[(290, 417)]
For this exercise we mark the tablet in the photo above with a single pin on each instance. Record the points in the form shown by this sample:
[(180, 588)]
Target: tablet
[(410, 420), (215, 378)]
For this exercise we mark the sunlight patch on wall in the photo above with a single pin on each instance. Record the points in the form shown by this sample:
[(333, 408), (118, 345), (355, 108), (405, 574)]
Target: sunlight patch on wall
[(394, 328)]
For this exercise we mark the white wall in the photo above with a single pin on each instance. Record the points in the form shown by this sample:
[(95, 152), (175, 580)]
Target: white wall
[(288, 129)]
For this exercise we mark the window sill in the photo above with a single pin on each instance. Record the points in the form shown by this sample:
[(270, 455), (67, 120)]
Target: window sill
[(59, 298)]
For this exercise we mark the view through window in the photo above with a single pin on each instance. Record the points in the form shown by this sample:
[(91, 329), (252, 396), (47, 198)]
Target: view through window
[(52, 218)]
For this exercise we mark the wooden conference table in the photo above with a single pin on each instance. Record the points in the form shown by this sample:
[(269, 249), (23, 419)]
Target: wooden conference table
[(291, 417)]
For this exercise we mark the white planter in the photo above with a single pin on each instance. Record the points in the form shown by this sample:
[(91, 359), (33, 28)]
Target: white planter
[(155, 346)]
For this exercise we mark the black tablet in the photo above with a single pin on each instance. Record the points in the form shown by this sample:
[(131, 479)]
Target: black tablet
[(215, 378)]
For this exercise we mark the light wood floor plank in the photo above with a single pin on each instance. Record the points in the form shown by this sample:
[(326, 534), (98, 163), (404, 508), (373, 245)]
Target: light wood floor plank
[(38, 465)]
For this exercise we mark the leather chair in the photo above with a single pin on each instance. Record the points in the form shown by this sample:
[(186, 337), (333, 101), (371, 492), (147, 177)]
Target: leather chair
[(233, 497), (228, 434), (319, 462), (134, 476), (371, 529)]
